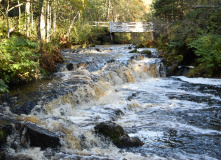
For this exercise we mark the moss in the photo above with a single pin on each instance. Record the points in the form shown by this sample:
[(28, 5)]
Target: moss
[(1, 136), (91, 45), (134, 51), (200, 71), (147, 52)]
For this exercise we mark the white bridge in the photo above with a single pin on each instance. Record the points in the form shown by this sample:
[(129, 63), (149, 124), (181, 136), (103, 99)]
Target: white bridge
[(120, 27)]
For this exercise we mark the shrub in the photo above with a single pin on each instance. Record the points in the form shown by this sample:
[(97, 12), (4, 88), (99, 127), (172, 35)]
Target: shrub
[(208, 49), (3, 86), (18, 62)]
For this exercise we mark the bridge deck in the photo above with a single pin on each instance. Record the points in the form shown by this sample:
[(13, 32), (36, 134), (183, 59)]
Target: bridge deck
[(125, 26), (131, 27)]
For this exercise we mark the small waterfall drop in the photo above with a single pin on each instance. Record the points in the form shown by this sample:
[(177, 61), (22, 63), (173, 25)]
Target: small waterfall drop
[(113, 85)]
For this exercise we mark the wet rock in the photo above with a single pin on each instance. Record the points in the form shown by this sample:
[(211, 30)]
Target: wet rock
[(24, 108), (146, 53), (117, 135), (40, 137), (70, 66), (134, 51), (98, 49), (132, 96), (5, 130), (17, 157), (79, 157)]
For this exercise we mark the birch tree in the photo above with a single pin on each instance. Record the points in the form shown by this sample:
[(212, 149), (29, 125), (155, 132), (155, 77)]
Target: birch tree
[(43, 19), (28, 17), (48, 21)]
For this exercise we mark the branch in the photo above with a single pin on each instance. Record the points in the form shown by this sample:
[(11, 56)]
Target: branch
[(72, 23), (15, 6), (3, 14)]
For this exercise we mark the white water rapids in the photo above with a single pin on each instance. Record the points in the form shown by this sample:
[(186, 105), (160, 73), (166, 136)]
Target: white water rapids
[(175, 117)]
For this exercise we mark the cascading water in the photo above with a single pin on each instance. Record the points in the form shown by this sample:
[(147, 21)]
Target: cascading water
[(176, 117)]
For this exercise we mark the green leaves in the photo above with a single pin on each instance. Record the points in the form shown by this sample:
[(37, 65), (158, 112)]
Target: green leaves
[(18, 60), (3, 87), (208, 49)]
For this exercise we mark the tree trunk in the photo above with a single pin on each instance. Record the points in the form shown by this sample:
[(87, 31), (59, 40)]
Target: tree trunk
[(28, 19), (40, 3), (19, 17), (53, 18), (72, 23), (42, 21), (48, 21), (54, 22), (7, 10), (32, 18)]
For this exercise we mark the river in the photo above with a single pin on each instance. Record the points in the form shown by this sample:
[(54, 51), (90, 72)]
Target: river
[(175, 117)]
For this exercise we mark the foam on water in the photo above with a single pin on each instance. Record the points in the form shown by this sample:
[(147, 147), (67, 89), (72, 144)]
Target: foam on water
[(210, 81), (134, 96)]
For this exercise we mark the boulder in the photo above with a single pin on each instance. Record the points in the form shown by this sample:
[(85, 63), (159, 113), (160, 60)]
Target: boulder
[(29, 133), (40, 137), (5, 130), (16, 157), (148, 53), (117, 135), (70, 66)]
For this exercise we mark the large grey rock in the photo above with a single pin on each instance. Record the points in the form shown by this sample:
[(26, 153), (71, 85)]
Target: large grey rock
[(40, 137), (117, 135)]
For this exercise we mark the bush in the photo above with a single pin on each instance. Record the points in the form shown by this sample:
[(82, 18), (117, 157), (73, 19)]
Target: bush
[(208, 49), (3, 86), (80, 33), (18, 61)]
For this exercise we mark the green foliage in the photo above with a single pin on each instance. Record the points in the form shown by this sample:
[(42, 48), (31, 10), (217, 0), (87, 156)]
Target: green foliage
[(84, 34), (3, 29), (3, 87), (195, 35), (208, 49), (18, 60), (81, 33)]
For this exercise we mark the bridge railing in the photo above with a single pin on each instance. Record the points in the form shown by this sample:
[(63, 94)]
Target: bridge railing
[(125, 26), (99, 24), (131, 27)]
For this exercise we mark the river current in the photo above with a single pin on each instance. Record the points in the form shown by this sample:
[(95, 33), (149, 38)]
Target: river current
[(175, 117)]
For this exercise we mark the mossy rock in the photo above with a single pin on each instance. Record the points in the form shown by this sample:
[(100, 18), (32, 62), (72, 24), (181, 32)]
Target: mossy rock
[(91, 45), (146, 52), (5, 130), (134, 51)]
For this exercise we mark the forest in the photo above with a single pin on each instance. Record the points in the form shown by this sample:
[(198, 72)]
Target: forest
[(188, 33), (191, 36)]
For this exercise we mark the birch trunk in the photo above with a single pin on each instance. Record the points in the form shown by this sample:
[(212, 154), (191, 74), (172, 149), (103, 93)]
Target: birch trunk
[(19, 17), (28, 19), (54, 23), (40, 3), (42, 20), (53, 18), (72, 23), (48, 21), (7, 20)]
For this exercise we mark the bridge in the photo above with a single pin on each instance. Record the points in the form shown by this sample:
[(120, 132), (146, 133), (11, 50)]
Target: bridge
[(121, 27), (129, 27)]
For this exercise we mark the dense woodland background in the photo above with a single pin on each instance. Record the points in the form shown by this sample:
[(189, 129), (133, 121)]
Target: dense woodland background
[(188, 33)]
